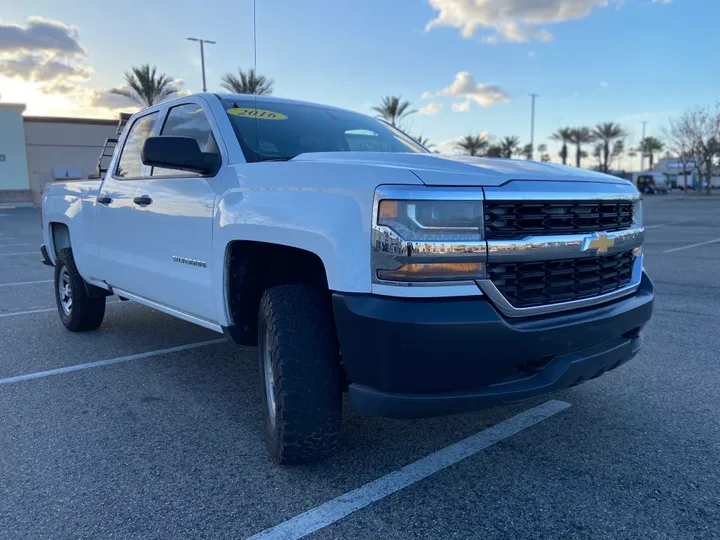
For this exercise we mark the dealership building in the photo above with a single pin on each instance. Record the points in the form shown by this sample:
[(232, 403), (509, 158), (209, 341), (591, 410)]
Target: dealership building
[(35, 150)]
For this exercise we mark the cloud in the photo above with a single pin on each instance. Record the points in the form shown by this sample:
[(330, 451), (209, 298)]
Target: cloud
[(484, 94), (105, 98), (59, 88), (41, 68), (647, 115), (463, 106), (511, 20), (604, 84), (531, 54), (43, 51), (431, 109), (41, 35)]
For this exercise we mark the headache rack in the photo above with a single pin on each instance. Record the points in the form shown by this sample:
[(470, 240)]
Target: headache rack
[(109, 146)]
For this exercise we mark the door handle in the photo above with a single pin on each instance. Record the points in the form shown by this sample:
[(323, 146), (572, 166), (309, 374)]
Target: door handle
[(142, 201), (104, 200)]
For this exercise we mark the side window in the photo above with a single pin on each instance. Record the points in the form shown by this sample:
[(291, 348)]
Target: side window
[(187, 120), (130, 165)]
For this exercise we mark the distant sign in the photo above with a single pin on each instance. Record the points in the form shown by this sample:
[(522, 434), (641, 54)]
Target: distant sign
[(679, 164)]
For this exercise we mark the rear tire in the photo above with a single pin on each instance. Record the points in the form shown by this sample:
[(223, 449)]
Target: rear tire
[(300, 373), (78, 311)]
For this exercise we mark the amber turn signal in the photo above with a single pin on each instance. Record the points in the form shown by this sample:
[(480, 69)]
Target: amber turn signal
[(433, 272)]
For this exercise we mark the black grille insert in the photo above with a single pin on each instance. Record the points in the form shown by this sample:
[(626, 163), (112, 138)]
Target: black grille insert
[(538, 283), (516, 219)]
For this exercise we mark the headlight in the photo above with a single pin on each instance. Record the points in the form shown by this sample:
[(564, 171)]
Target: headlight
[(638, 213), (428, 221), (430, 241)]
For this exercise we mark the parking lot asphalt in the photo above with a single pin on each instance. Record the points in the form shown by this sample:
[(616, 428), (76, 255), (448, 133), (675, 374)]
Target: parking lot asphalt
[(169, 445)]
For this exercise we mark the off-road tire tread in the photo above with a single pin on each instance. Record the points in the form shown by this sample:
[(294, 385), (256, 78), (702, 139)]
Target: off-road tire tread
[(87, 313), (308, 383)]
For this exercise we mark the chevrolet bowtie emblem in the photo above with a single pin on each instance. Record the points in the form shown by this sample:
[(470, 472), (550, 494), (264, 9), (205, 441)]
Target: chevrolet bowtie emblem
[(601, 242)]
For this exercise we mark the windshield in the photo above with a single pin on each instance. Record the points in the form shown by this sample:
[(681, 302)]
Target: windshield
[(281, 131)]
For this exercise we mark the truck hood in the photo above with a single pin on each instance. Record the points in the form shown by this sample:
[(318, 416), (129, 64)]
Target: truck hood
[(452, 170)]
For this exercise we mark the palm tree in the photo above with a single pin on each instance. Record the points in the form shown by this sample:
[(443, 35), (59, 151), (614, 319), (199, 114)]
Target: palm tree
[(472, 145), (527, 151), (510, 146), (652, 145), (145, 86), (494, 150), (394, 109), (606, 134), (580, 136), (248, 83), (564, 135), (618, 150), (598, 154), (544, 157), (424, 141)]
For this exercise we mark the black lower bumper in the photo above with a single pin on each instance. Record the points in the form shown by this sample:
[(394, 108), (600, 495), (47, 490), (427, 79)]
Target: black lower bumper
[(426, 357)]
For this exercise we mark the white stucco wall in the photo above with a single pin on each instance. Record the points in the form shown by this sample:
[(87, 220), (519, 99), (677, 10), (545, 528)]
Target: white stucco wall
[(63, 143), (13, 170)]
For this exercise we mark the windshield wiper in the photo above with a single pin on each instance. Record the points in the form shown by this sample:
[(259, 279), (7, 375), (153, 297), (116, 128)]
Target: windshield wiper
[(270, 158)]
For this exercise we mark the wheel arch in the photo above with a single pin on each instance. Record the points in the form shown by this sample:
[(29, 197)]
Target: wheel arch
[(59, 237), (251, 267)]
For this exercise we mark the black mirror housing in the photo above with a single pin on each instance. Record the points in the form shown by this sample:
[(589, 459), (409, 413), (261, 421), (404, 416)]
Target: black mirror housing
[(181, 153)]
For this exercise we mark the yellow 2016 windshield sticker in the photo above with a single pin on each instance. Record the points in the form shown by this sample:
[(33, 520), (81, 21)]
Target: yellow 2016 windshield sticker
[(257, 113)]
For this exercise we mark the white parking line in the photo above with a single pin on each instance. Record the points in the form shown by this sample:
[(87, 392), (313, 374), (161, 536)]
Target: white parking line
[(25, 283), (20, 253), (43, 310), (671, 223), (692, 246), (12, 245), (111, 361), (344, 505)]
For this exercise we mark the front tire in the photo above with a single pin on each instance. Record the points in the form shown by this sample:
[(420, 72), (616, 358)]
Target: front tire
[(300, 373), (78, 311)]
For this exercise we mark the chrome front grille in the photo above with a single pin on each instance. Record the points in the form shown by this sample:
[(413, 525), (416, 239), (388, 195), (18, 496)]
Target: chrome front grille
[(537, 283), (506, 220)]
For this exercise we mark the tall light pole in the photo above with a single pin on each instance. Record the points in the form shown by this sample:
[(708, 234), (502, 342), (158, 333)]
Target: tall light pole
[(532, 126), (202, 56)]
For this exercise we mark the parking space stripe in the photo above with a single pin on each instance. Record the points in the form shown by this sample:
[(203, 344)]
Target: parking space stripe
[(25, 283), (671, 223), (12, 245), (344, 505), (692, 246), (111, 361), (20, 253), (42, 310)]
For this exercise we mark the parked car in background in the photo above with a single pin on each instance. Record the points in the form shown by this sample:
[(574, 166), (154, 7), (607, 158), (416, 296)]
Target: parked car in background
[(651, 182)]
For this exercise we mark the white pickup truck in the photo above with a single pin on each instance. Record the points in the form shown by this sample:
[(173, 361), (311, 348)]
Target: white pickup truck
[(355, 260)]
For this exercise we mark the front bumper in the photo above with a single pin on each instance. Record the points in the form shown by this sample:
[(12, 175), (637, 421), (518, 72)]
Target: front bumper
[(413, 358)]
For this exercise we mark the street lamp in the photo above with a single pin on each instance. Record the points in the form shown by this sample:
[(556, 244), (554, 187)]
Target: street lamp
[(202, 56)]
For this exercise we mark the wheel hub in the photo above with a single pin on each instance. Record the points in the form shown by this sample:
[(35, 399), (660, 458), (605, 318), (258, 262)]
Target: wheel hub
[(269, 382), (65, 291)]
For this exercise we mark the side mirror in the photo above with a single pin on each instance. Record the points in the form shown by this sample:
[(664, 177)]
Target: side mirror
[(181, 153)]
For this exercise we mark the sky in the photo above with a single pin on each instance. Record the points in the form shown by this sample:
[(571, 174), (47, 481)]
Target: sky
[(468, 66)]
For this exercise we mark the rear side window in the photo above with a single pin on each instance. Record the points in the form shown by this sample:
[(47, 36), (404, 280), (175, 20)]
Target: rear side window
[(187, 120), (130, 164)]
